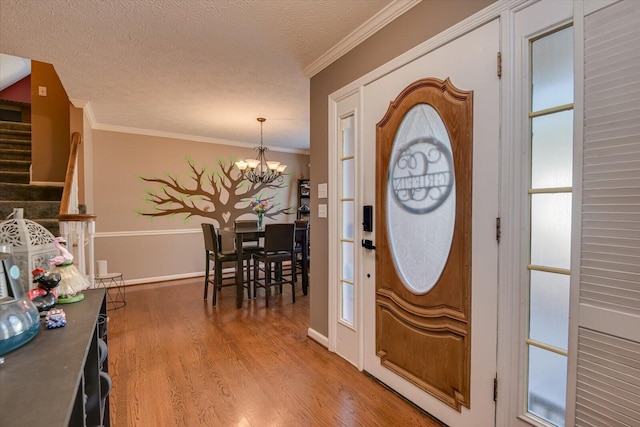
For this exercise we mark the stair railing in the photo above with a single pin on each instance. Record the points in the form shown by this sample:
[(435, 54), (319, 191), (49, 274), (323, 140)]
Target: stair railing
[(77, 229)]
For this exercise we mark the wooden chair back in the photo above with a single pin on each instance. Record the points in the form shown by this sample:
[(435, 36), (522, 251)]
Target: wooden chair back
[(208, 231), (279, 237)]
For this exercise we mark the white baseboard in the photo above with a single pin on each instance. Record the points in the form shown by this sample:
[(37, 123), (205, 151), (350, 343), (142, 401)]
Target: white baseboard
[(154, 279), (145, 280), (318, 337)]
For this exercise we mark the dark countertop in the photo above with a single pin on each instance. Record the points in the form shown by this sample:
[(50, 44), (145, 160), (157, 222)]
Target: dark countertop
[(39, 381)]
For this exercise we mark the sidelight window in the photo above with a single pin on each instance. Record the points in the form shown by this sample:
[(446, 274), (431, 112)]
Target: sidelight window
[(550, 197), (347, 218)]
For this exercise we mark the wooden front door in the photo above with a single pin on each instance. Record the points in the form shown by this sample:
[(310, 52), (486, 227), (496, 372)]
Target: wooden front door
[(424, 147), (430, 291)]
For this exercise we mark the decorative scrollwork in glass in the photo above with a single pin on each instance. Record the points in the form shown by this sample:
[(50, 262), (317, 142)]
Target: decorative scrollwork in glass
[(422, 172)]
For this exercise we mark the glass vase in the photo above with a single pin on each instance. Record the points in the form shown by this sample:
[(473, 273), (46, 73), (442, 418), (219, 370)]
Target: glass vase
[(260, 220)]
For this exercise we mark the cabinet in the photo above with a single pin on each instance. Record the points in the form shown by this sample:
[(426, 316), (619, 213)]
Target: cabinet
[(304, 198), (59, 378)]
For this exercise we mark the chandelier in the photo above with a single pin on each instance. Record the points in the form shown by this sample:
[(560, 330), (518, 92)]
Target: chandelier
[(260, 170)]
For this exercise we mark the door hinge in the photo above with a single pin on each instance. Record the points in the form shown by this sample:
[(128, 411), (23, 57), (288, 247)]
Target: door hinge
[(495, 389), (499, 64), (498, 230)]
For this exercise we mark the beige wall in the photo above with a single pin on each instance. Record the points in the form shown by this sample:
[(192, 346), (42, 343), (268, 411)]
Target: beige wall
[(424, 21), (50, 125), (155, 248)]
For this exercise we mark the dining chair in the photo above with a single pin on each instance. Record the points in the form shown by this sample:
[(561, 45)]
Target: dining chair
[(214, 253), (249, 245), (209, 253), (278, 249), (302, 231)]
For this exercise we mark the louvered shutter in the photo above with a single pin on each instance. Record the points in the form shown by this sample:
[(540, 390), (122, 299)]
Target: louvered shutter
[(608, 372)]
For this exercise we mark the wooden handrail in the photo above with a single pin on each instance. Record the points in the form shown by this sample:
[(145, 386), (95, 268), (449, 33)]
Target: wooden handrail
[(76, 217), (76, 140), (74, 226)]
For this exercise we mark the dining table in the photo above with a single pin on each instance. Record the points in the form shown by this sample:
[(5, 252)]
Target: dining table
[(240, 234)]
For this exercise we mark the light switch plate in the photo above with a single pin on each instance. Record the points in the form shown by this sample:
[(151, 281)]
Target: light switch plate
[(322, 191), (42, 90), (322, 210)]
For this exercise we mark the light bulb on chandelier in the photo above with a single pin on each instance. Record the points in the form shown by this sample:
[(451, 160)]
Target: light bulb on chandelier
[(260, 170)]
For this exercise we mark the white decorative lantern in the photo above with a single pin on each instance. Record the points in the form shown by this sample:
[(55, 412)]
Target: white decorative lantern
[(32, 245)]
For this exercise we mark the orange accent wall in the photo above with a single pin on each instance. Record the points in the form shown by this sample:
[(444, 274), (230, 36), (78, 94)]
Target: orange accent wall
[(50, 132)]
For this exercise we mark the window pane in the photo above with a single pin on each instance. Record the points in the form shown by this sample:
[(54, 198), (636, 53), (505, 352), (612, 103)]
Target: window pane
[(547, 385), (548, 318), (552, 70), (348, 136), (347, 220), (551, 230), (421, 198), (347, 303), (552, 150), (348, 182), (347, 261)]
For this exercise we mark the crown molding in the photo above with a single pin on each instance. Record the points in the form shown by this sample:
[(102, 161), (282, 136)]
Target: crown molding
[(187, 137), (360, 34), (78, 103), (88, 110), (491, 12)]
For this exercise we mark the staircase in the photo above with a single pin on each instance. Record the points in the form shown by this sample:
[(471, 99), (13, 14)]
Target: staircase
[(41, 203)]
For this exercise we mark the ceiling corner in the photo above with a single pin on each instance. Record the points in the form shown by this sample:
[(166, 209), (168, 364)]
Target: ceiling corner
[(360, 34)]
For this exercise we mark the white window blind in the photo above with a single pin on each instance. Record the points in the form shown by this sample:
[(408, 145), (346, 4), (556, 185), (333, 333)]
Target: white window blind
[(608, 378)]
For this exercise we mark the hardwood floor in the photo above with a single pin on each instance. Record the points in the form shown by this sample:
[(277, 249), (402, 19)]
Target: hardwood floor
[(177, 361)]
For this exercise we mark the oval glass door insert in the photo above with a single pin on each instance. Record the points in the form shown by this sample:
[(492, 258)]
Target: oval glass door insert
[(421, 198)]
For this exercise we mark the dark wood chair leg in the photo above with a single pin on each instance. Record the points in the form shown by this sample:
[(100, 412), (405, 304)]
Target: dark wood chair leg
[(294, 278), (217, 283), (206, 277), (294, 270), (278, 274), (267, 281), (248, 279), (255, 279), (293, 292)]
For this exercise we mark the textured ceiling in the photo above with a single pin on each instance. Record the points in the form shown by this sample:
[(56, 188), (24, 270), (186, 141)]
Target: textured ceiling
[(204, 68)]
